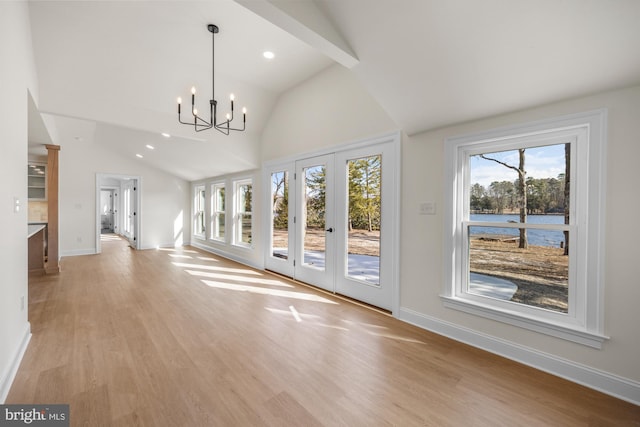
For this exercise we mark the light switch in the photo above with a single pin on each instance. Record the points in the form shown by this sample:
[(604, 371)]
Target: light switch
[(427, 208)]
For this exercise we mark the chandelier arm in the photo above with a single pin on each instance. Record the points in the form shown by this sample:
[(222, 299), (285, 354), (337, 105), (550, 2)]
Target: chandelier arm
[(238, 129)]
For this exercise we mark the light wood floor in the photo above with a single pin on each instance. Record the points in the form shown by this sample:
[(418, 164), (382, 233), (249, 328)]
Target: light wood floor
[(184, 338)]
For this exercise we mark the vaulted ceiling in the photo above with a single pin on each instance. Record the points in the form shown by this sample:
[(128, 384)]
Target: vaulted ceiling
[(110, 71)]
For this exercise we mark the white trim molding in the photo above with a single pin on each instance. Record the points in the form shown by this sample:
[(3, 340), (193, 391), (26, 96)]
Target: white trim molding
[(613, 385), (12, 369)]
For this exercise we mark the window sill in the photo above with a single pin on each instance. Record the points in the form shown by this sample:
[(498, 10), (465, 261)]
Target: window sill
[(559, 331)]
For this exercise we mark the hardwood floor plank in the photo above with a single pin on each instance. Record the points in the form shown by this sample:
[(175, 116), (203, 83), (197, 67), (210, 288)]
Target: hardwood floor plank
[(179, 337)]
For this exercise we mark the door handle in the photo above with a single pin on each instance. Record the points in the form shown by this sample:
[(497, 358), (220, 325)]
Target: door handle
[(330, 229)]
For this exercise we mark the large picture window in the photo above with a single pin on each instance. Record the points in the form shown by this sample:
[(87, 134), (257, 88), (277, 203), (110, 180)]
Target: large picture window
[(525, 226)]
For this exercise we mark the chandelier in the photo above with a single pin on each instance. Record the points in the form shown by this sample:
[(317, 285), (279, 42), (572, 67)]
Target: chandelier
[(198, 122)]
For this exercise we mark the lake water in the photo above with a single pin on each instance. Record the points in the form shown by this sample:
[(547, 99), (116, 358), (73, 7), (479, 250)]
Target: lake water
[(535, 237)]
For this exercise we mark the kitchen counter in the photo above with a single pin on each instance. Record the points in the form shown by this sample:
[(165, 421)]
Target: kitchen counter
[(37, 238)]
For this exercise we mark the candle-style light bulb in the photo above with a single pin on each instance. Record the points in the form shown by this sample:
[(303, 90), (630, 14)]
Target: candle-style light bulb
[(228, 116), (232, 97), (244, 110), (195, 111), (193, 90), (179, 100)]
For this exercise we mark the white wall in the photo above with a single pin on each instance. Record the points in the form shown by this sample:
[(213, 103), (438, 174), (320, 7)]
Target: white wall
[(164, 198), (421, 246), (328, 109), (333, 108), (17, 77)]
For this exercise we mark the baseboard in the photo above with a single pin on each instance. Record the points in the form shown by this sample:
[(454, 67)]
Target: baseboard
[(616, 386), (7, 379), (76, 252), (228, 255)]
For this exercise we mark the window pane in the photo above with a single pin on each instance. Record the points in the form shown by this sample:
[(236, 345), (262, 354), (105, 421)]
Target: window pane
[(314, 216), (218, 212), (244, 232), (536, 276), (220, 225), (199, 210), (363, 248), (280, 214), (243, 213), (528, 180), (244, 198)]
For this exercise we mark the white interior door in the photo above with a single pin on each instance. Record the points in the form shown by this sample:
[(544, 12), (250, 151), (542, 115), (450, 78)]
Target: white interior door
[(314, 261)]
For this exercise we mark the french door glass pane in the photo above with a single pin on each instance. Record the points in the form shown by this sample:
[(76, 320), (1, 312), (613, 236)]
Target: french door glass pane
[(280, 214), (314, 245), (364, 210)]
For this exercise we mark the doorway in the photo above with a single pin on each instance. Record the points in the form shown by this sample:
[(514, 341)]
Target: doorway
[(118, 207), (333, 221), (107, 210)]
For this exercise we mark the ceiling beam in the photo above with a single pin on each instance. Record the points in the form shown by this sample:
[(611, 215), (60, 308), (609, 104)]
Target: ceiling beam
[(305, 21)]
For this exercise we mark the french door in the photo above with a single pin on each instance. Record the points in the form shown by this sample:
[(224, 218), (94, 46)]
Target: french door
[(329, 218), (129, 211)]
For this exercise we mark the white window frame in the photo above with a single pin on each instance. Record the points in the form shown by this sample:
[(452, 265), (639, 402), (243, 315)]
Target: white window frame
[(584, 323), (216, 212), (238, 213), (197, 189)]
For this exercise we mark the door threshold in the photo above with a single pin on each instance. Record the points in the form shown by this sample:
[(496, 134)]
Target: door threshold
[(333, 294)]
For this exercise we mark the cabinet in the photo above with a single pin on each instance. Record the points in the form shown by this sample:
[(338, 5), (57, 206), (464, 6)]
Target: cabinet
[(37, 181)]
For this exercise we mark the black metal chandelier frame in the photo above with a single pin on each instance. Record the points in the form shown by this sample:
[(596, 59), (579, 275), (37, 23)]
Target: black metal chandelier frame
[(198, 122)]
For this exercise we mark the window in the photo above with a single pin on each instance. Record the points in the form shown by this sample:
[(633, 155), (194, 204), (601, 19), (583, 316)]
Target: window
[(198, 209), (524, 227), (243, 205), (217, 212)]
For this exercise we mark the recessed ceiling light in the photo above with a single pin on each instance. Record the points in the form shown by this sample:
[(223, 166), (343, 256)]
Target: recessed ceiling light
[(150, 147), (268, 54), (166, 135), (139, 155)]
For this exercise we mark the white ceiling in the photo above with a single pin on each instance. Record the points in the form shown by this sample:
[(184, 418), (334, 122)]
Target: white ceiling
[(429, 63)]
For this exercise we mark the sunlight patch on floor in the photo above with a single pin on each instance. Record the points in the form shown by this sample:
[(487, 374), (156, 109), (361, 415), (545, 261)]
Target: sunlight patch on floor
[(204, 258), (268, 291), (180, 250), (395, 337), (180, 256), (312, 319), (109, 238), (239, 278), (214, 268)]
